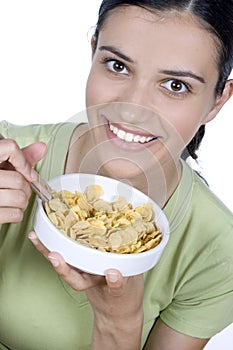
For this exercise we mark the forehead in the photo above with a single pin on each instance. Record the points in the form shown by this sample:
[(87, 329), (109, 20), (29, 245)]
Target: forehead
[(141, 31), (132, 15)]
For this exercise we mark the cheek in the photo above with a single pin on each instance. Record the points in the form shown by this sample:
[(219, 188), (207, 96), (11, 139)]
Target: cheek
[(90, 91), (186, 128), (96, 89), (187, 119), (186, 131)]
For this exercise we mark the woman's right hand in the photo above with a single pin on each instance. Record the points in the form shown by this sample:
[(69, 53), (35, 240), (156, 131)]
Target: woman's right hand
[(15, 174)]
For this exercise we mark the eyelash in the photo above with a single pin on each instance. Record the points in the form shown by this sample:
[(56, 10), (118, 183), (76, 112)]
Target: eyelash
[(107, 60), (178, 94)]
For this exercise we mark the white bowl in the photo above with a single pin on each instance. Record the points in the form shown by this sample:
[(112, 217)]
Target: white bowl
[(89, 259)]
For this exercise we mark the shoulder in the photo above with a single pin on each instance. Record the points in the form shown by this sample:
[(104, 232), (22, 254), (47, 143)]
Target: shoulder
[(25, 134), (193, 202), (210, 208), (201, 226)]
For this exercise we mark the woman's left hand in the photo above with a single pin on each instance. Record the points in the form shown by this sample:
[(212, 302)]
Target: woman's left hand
[(116, 301)]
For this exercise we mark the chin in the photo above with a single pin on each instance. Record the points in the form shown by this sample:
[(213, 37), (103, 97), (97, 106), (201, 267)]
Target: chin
[(122, 170)]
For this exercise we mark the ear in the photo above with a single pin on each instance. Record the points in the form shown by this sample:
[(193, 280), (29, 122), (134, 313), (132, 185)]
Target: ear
[(220, 101), (93, 41), (93, 45)]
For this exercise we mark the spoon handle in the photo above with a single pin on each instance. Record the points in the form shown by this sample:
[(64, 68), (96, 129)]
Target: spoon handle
[(42, 189)]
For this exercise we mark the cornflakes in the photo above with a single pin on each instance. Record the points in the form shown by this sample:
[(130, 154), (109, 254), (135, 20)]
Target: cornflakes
[(107, 226)]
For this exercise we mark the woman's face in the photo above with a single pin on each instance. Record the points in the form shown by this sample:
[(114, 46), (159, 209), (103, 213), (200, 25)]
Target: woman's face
[(152, 84)]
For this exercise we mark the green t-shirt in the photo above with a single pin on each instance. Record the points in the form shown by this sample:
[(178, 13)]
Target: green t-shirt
[(191, 288)]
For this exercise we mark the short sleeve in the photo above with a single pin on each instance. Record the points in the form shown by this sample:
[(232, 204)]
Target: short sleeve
[(203, 303)]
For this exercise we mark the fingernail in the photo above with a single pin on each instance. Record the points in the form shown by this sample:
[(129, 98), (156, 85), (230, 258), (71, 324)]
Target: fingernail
[(112, 277), (33, 238), (53, 261)]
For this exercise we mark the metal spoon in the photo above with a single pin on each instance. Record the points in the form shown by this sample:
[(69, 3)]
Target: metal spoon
[(42, 189), (39, 186)]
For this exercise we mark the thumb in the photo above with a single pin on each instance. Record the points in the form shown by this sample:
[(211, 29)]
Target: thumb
[(34, 152), (115, 282)]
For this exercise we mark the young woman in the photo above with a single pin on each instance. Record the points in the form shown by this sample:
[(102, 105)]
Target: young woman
[(159, 74)]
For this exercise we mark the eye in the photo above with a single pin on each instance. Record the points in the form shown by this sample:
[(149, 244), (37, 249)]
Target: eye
[(176, 86), (116, 66)]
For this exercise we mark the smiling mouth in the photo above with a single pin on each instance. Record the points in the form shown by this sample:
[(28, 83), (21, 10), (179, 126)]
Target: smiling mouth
[(129, 137)]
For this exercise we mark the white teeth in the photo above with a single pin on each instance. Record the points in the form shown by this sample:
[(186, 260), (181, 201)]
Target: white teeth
[(136, 138), (128, 137), (121, 134)]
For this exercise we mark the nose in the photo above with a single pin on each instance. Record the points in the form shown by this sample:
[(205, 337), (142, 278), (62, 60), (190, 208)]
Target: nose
[(136, 92), (136, 103)]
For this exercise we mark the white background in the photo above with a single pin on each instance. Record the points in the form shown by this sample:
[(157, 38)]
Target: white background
[(45, 57)]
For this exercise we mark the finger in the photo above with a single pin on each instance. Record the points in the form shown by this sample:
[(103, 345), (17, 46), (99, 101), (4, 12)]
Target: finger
[(37, 243), (34, 152), (115, 282), (10, 151), (74, 277), (10, 215), (13, 199), (14, 180)]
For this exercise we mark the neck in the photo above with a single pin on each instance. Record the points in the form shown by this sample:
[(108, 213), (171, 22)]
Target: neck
[(159, 182)]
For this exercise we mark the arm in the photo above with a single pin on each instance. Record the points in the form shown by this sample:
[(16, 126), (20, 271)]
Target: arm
[(118, 313), (122, 333), (163, 337)]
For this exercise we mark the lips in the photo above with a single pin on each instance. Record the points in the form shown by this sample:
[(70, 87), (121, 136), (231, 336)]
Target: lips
[(130, 137)]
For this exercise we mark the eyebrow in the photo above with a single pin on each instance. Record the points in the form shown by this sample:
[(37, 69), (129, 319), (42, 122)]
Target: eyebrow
[(115, 52), (176, 73), (183, 73)]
